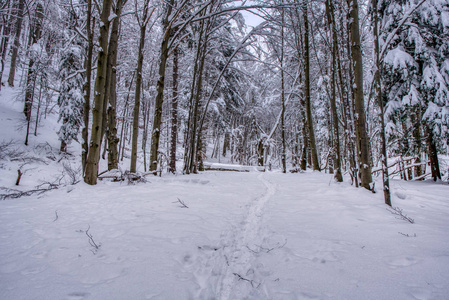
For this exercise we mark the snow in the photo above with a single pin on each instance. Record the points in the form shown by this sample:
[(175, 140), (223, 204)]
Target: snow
[(288, 236), (399, 60)]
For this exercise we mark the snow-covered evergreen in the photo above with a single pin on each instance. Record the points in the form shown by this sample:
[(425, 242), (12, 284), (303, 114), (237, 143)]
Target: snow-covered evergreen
[(71, 98)]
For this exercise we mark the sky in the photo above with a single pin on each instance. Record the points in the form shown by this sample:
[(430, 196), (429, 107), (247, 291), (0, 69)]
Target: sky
[(250, 18)]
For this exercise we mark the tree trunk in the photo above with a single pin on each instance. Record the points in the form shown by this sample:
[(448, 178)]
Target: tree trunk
[(193, 143), (93, 156), (283, 154), (136, 112), (174, 113), (385, 179), (226, 144), (195, 134), (157, 117), (415, 118), (16, 45), (5, 33), (363, 145), (336, 134), (433, 155), (112, 95), (315, 163), (87, 86), (36, 35)]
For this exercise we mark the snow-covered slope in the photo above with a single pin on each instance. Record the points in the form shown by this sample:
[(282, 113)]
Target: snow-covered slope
[(243, 236)]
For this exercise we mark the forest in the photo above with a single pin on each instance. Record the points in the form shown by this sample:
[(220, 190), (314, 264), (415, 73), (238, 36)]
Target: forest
[(121, 121), (149, 87)]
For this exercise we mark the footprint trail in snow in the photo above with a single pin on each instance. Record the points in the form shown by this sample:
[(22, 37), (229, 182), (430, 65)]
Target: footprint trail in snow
[(227, 272)]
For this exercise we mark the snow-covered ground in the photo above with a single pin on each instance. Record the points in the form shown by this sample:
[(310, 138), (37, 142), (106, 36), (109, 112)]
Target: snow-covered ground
[(243, 236), (215, 235)]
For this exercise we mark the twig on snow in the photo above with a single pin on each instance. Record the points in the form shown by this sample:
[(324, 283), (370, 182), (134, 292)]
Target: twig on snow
[(400, 214), (246, 279), (57, 217), (92, 241), (19, 176), (183, 205), (407, 235), (266, 250)]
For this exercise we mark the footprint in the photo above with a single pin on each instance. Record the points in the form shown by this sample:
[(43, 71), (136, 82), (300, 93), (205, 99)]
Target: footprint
[(401, 196), (421, 293), (77, 296), (402, 261), (32, 271)]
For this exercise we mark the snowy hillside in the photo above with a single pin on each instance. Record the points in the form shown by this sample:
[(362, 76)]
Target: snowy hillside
[(216, 235)]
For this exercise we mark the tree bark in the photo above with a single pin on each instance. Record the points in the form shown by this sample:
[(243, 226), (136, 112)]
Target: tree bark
[(157, 117), (193, 142), (135, 135), (433, 155), (363, 145), (93, 156), (336, 134), (31, 78), (283, 154), (5, 33), (16, 45), (174, 113), (112, 95), (315, 163), (87, 86), (384, 161)]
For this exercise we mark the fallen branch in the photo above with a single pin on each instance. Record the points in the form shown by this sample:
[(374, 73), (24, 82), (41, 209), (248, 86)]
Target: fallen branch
[(407, 235), (267, 250), (246, 279), (19, 176), (400, 214), (92, 241), (57, 217), (183, 205), (14, 194)]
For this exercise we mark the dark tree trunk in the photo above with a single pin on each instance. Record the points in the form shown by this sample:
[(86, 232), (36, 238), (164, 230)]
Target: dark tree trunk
[(336, 134), (174, 113), (87, 86), (135, 134), (226, 144), (385, 179), (31, 78), (433, 155), (415, 117), (112, 88), (157, 118), (93, 156), (5, 34), (16, 45), (195, 134), (283, 154), (363, 145), (311, 132)]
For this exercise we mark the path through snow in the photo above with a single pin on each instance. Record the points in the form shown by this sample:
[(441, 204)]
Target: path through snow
[(227, 271)]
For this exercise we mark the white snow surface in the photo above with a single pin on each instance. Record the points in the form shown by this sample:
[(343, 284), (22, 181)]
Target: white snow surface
[(243, 236)]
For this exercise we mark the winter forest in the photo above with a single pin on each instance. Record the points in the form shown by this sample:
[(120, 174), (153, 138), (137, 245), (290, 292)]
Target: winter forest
[(104, 103)]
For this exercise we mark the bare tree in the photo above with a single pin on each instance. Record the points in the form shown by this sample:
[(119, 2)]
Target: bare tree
[(363, 145), (378, 91), (143, 27), (16, 45), (157, 118), (93, 156), (311, 132)]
